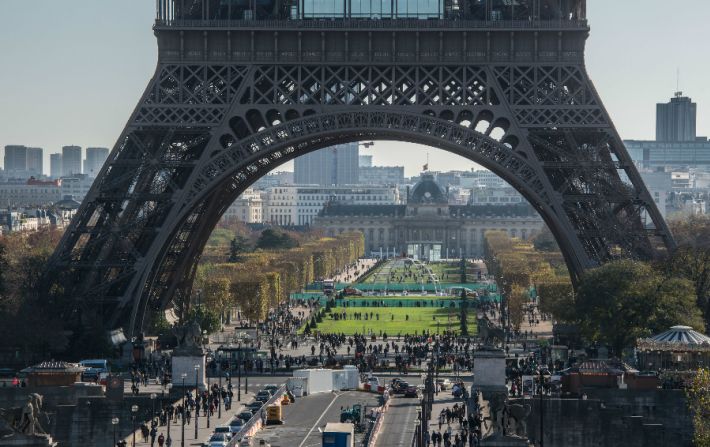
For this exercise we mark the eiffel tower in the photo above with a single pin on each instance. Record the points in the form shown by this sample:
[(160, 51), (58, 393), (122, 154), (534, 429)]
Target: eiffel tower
[(243, 87)]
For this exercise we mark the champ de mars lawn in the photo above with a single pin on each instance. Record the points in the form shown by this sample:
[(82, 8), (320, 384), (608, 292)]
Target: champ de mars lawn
[(394, 321)]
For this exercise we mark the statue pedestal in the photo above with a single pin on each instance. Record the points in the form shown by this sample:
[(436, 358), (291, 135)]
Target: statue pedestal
[(184, 363), (489, 369), (28, 441)]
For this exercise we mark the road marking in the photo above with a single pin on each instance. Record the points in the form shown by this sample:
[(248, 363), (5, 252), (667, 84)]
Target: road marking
[(319, 419)]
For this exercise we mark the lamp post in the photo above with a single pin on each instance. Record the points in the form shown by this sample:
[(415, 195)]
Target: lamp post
[(542, 430), (152, 400), (239, 374), (197, 411), (169, 386), (184, 409), (134, 410), (219, 397), (114, 422)]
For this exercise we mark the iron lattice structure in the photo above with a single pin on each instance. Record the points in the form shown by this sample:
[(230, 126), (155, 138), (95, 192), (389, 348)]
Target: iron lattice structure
[(232, 100)]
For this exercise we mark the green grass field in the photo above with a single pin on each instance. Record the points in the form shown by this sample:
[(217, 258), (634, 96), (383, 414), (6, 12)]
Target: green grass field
[(445, 272), (393, 320)]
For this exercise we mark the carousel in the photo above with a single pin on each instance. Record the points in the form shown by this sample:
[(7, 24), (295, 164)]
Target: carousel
[(678, 349)]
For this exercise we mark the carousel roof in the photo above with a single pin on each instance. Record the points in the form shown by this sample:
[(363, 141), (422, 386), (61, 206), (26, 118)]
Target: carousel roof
[(682, 334), (676, 337)]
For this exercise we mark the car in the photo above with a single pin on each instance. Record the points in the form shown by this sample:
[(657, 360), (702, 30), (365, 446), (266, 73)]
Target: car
[(245, 416), (224, 429), (255, 406), (272, 388), (400, 387), (444, 384), (411, 391), (236, 424), (263, 396), (94, 368), (218, 440)]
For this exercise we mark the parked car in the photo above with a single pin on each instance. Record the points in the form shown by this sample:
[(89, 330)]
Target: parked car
[(245, 416), (218, 440), (272, 388), (224, 429), (255, 406), (235, 425), (263, 396)]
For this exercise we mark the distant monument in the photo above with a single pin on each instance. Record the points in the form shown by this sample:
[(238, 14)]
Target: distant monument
[(189, 357)]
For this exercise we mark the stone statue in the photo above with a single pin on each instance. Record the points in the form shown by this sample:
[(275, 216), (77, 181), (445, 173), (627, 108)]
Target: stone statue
[(496, 404), (23, 424), (518, 414), (29, 421), (189, 337), (489, 333)]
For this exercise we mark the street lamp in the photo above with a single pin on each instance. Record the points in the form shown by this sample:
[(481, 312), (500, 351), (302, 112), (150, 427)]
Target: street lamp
[(134, 410), (169, 386), (184, 409), (239, 373), (152, 401), (542, 428), (114, 422), (219, 397), (197, 411)]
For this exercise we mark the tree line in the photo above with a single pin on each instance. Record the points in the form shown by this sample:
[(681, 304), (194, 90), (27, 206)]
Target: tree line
[(256, 281), (615, 303)]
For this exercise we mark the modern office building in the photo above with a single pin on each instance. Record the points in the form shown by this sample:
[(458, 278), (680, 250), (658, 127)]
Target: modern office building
[(365, 161), (55, 165), (299, 204), (275, 178), (659, 185), (95, 158), (333, 166), (381, 175), (71, 161), (677, 147), (676, 119), (35, 161), (15, 161)]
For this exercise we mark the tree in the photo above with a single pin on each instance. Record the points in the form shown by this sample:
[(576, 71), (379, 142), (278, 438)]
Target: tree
[(545, 241), (464, 312), (625, 300), (557, 299), (275, 240), (698, 394), (238, 246), (208, 319), (691, 260)]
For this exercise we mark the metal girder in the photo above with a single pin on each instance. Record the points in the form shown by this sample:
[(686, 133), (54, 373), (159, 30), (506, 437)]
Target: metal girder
[(204, 131)]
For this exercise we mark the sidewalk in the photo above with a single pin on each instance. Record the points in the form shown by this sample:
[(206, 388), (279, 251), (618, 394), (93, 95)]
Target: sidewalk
[(204, 432), (441, 402)]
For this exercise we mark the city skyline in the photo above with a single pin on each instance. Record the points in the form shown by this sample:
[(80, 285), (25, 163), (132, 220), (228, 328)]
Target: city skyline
[(85, 111)]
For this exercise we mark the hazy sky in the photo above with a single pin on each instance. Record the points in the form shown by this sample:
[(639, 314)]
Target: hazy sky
[(71, 71)]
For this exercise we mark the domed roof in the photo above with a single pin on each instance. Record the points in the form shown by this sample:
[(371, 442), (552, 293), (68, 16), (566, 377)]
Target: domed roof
[(427, 191), (682, 334)]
